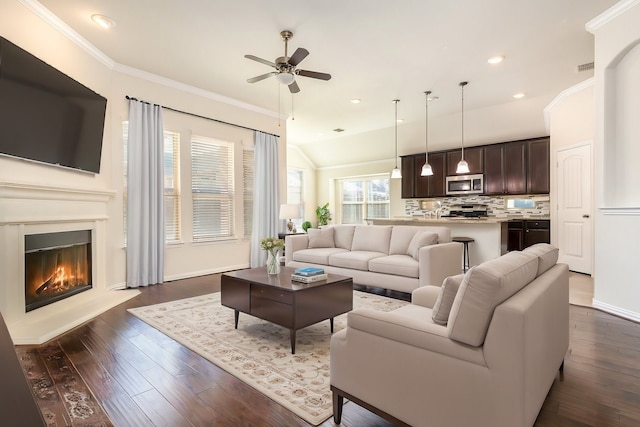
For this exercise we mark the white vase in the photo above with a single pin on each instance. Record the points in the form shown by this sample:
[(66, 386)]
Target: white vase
[(273, 263)]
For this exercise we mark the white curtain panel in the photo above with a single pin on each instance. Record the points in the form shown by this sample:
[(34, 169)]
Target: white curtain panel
[(265, 195), (145, 195)]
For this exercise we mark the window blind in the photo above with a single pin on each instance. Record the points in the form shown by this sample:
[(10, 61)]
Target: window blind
[(248, 167)]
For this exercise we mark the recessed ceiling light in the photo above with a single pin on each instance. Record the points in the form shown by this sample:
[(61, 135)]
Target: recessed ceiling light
[(518, 95), (103, 21), (495, 59), (356, 101), (400, 120)]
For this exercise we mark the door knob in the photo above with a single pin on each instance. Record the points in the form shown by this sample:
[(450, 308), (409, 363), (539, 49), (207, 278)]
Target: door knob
[(585, 216)]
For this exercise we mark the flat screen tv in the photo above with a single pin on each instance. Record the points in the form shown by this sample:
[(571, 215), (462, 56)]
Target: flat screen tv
[(45, 115)]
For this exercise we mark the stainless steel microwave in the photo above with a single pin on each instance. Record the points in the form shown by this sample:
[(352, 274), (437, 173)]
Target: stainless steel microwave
[(465, 184)]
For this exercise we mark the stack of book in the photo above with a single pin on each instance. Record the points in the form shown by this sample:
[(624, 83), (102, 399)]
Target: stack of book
[(309, 275)]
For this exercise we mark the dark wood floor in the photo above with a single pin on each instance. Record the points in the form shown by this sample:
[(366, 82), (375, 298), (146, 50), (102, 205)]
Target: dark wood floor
[(143, 378)]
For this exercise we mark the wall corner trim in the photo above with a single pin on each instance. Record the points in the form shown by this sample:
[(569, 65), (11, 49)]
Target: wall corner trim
[(610, 14), (561, 97)]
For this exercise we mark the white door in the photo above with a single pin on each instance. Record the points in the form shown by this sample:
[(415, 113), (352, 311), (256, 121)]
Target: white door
[(575, 227)]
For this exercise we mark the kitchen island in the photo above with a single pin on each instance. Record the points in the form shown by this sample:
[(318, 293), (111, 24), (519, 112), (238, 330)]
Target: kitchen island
[(488, 232)]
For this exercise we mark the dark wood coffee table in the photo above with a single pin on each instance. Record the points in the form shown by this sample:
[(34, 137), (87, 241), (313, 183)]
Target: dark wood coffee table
[(278, 299)]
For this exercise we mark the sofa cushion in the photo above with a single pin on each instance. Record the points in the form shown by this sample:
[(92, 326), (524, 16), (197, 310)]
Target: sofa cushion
[(547, 256), (316, 256), (399, 265), (372, 238), (401, 236), (482, 289), (424, 238), (447, 295), (343, 236), (321, 237), (357, 260)]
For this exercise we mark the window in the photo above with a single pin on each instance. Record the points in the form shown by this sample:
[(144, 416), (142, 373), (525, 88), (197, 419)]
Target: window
[(212, 188), (248, 166), (171, 183), (364, 198), (294, 193)]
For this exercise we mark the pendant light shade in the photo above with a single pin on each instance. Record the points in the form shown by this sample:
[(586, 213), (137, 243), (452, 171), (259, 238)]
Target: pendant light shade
[(395, 173), (426, 168), (463, 166)]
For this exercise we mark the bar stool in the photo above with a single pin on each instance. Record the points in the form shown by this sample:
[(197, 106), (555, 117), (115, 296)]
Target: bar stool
[(466, 263)]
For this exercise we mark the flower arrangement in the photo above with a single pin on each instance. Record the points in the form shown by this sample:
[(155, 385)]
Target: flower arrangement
[(271, 244)]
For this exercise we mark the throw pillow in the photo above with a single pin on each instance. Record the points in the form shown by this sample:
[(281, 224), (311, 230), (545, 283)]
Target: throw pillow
[(448, 291), (321, 237), (424, 238)]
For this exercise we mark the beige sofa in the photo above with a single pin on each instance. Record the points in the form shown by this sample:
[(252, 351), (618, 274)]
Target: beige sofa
[(482, 350), (400, 257)]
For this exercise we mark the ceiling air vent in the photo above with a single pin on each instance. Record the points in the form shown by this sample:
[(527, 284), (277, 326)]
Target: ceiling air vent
[(586, 67)]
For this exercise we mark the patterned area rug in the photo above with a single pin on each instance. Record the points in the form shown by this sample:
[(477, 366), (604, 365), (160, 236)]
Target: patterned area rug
[(259, 352)]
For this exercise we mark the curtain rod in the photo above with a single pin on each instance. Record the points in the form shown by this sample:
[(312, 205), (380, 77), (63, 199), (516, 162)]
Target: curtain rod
[(202, 117)]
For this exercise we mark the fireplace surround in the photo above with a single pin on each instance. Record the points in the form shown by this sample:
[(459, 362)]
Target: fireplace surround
[(28, 210)]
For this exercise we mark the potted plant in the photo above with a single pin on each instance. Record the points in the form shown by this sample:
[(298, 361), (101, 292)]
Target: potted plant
[(306, 225), (323, 214)]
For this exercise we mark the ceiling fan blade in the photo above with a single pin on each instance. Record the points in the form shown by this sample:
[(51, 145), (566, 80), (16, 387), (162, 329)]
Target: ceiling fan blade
[(260, 60), (314, 74), (298, 56), (293, 87), (261, 77)]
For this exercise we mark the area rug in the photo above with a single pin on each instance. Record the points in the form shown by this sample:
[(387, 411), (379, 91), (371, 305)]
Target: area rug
[(259, 352)]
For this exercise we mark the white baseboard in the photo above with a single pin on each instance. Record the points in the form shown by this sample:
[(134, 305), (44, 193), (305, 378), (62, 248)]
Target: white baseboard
[(621, 312), (204, 272)]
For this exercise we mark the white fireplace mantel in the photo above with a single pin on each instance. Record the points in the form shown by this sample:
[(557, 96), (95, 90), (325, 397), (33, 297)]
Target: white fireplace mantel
[(31, 209)]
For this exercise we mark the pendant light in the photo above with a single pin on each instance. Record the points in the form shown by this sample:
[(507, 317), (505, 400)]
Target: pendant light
[(395, 173), (463, 166), (426, 168)]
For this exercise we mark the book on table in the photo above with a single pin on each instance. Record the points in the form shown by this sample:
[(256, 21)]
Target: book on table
[(309, 271), (309, 279)]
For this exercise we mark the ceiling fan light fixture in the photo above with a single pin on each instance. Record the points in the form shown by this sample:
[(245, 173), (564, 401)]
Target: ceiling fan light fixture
[(285, 78)]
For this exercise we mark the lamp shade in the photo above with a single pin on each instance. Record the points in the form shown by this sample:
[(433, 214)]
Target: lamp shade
[(289, 211)]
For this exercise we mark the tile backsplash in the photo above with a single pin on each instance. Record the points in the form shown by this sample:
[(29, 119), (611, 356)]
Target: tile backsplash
[(496, 206)]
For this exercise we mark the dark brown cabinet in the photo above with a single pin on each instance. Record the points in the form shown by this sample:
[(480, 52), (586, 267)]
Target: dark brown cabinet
[(509, 168), (519, 167), (416, 186), (521, 234), (473, 155), (538, 166), (407, 169)]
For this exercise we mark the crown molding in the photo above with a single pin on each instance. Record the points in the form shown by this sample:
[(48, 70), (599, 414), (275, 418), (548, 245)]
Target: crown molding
[(610, 14), (55, 22), (561, 97)]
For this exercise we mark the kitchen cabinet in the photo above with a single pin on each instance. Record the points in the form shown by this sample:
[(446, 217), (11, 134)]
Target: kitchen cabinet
[(434, 185), (473, 155), (538, 166), (408, 176), (520, 234), (519, 167), (536, 232)]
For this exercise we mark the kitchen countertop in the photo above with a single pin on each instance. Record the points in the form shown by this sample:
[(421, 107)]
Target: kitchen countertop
[(453, 220)]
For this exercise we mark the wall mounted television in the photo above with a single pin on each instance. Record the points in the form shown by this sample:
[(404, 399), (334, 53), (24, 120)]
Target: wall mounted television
[(45, 115)]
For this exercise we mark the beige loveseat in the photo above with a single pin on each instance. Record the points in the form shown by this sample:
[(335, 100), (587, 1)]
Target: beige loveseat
[(482, 350), (400, 257)]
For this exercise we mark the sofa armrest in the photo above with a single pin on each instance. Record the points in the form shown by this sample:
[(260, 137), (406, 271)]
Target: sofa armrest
[(426, 296), (437, 262), (415, 329), (294, 243)]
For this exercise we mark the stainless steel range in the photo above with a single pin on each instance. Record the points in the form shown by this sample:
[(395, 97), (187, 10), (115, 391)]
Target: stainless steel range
[(467, 211)]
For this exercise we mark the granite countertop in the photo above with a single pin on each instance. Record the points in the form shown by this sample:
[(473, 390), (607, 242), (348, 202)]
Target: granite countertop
[(455, 220)]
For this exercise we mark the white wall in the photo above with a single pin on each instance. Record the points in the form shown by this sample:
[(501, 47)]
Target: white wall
[(32, 33), (298, 160), (571, 118), (616, 154)]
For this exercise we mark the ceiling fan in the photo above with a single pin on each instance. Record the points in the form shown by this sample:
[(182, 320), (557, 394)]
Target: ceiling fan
[(285, 66)]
